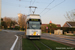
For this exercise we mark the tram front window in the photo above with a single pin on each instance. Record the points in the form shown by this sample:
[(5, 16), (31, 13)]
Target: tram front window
[(34, 25)]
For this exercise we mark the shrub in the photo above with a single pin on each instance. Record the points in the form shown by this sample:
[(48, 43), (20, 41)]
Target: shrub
[(17, 28)]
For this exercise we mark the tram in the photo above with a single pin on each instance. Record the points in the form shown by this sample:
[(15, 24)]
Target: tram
[(33, 30)]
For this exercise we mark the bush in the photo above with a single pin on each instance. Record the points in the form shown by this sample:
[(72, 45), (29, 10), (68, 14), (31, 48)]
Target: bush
[(17, 28), (23, 29)]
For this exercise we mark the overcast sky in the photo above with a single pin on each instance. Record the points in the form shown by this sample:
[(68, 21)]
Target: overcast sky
[(53, 10)]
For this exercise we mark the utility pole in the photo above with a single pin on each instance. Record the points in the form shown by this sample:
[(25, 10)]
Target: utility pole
[(50, 26), (32, 7), (0, 14)]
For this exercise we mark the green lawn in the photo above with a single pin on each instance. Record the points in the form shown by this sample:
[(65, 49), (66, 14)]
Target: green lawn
[(55, 45), (70, 35), (41, 46), (27, 45)]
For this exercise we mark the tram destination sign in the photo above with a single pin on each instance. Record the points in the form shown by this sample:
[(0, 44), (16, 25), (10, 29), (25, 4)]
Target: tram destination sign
[(34, 20)]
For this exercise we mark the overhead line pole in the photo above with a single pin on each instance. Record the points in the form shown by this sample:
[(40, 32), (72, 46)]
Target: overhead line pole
[(0, 14)]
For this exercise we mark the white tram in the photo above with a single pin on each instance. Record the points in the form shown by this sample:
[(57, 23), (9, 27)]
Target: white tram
[(33, 30)]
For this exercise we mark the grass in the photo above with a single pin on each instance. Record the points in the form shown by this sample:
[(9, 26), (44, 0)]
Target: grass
[(27, 45), (41, 46), (43, 32), (55, 45), (68, 35), (22, 30)]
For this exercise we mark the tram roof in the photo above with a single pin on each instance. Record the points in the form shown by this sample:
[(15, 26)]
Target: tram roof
[(33, 15)]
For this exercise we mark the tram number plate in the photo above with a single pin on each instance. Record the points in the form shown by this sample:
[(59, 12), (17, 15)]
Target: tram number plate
[(34, 33)]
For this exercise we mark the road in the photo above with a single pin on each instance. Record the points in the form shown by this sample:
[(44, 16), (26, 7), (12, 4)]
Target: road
[(7, 38), (67, 40)]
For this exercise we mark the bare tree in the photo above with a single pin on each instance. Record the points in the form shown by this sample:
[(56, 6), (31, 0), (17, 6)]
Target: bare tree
[(70, 15), (25, 26), (21, 20), (24, 20), (7, 20)]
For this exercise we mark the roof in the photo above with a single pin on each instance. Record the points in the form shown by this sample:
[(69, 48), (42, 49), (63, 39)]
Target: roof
[(71, 23), (58, 25), (33, 15), (44, 24)]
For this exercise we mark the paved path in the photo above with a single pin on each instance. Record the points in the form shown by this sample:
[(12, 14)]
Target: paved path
[(68, 40)]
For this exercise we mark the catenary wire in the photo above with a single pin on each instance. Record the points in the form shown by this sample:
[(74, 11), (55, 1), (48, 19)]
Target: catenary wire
[(48, 5), (54, 7), (33, 2)]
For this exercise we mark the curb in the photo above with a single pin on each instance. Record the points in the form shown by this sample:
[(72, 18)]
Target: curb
[(19, 43)]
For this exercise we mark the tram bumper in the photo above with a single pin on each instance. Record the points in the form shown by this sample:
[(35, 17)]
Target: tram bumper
[(33, 37)]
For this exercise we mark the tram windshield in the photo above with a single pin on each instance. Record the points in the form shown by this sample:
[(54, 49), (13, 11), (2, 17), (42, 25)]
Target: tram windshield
[(34, 24)]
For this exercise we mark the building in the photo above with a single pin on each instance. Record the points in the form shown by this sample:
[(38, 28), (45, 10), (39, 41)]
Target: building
[(44, 25), (58, 25), (70, 24)]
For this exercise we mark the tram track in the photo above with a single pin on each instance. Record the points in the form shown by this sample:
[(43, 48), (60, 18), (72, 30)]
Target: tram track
[(63, 41), (41, 43), (59, 39), (45, 45), (35, 45)]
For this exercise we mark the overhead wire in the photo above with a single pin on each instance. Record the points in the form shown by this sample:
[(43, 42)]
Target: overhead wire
[(14, 4), (19, 0), (30, 2), (54, 7), (10, 4), (48, 5), (33, 2)]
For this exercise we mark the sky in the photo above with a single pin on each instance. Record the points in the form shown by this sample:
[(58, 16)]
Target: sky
[(53, 10)]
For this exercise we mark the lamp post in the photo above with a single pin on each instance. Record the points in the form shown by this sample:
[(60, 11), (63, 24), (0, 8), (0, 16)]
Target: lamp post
[(50, 26), (0, 14)]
